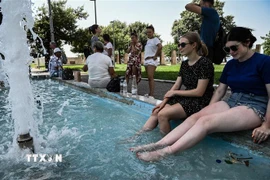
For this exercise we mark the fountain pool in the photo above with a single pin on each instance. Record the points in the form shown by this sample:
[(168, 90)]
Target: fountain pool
[(88, 131)]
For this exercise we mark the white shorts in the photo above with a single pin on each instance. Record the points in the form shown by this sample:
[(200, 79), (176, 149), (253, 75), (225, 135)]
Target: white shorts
[(151, 62)]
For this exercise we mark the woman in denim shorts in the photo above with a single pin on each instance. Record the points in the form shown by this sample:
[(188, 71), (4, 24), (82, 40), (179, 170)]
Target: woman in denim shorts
[(248, 107)]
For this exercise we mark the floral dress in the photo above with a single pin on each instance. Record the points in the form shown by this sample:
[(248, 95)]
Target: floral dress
[(135, 60)]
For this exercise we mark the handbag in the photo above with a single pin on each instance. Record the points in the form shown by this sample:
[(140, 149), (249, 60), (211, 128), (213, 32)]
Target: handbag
[(67, 74), (114, 85)]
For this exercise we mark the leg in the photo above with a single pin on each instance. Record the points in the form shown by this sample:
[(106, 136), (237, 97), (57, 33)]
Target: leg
[(152, 122), (134, 72), (180, 130), (235, 119), (168, 113), (150, 74)]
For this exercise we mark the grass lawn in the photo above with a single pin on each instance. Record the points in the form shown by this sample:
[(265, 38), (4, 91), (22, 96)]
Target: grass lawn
[(165, 72), (168, 72)]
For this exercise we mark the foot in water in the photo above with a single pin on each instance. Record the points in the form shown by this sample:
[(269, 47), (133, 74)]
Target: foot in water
[(147, 147), (153, 155)]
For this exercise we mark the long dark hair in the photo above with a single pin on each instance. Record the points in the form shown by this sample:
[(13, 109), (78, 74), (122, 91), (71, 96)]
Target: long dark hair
[(93, 28)]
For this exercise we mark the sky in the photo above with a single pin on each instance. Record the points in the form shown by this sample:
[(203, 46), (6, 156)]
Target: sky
[(254, 14)]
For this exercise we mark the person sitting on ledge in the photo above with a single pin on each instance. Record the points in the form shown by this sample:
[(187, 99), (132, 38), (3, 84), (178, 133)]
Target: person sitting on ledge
[(55, 63), (99, 67), (197, 75), (248, 107)]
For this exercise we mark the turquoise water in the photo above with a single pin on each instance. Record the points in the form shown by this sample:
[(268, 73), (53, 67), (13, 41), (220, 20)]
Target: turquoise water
[(89, 131)]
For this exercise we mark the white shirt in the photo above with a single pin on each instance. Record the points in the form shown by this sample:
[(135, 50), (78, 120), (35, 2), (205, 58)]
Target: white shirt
[(98, 69), (151, 47), (108, 46)]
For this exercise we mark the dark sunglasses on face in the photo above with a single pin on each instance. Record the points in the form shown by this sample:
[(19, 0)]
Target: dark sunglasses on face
[(233, 48), (182, 45)]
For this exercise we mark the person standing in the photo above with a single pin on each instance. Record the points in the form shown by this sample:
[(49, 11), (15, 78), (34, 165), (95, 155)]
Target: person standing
[(96, 31), (108, 47), (152, 50), (134, 60), (210, 23)]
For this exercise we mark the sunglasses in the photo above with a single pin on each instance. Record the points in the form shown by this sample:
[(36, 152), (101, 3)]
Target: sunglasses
[(182, 45), (233, 48)]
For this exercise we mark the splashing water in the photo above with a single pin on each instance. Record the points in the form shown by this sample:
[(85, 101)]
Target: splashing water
[(17, 19)]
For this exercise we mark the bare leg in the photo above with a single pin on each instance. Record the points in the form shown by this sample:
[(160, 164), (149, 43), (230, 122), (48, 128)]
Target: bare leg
[(150, 74), (180, 130), (235, 119), (135, 72), (168, 113)]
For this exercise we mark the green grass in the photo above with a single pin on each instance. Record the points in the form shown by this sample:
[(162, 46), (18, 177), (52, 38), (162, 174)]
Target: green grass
[(165, 72)]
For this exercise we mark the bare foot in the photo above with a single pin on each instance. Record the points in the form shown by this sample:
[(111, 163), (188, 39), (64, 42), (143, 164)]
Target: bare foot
[(153, 155), (129, 140), (147, 147)]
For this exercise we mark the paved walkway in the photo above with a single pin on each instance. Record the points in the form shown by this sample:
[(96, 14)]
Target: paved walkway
[(161, 87)]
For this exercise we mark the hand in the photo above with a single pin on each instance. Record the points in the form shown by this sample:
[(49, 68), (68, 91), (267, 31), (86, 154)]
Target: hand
[(169, 94), (261, 133), (159, 107)]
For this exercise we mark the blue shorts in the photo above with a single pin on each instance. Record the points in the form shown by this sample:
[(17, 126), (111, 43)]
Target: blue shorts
[(257, 103)]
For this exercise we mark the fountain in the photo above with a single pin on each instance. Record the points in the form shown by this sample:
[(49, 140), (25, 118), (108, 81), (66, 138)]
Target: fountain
[(88, 130), (16, 18)]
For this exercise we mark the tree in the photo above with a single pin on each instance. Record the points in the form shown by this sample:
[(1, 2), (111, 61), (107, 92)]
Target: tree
[(83, 37), (117, 31), (169, 48), (191, 21), (65, 20), (266, 44)]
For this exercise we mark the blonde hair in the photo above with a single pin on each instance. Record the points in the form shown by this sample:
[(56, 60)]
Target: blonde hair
[(194, 37)]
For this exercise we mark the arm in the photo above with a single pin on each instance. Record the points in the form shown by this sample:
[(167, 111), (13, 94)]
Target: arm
[(158, 51), (112, 72), (219, 93), (176, 86), (192, 7), (197, 92), (85, 68), (261, 133)]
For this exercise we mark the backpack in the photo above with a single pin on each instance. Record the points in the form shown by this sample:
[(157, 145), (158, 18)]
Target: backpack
[(67, 74), (114, 85), (218, 53)]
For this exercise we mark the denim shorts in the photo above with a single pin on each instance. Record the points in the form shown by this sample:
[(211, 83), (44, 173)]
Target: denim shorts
[(257, 103)]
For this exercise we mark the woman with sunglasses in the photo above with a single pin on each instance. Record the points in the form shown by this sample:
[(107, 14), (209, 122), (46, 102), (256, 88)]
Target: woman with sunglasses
[(197, 75), (248, 107)]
